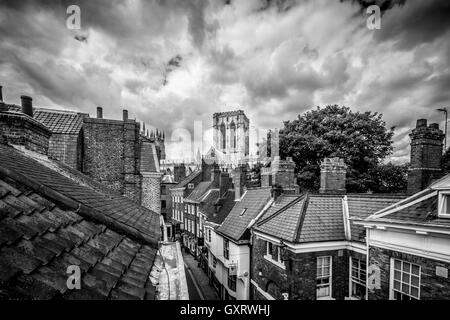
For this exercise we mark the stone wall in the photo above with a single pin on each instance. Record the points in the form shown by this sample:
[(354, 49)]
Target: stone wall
[(432, 286)]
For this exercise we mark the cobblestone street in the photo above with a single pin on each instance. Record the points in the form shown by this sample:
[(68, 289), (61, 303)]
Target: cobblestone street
[(200, 282)]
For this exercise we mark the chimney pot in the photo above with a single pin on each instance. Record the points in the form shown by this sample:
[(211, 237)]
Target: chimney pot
[(125, 115), (27, 105), (99, 113), (421, 123)]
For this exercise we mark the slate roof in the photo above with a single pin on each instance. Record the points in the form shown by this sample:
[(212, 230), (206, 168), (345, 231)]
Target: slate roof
[(226, 203), (418, 209), (282, 218), (199, 191), (49, 221), (65, 122), (362, 206), (236, 223), (319, 217), (57, 121), (187, 180)]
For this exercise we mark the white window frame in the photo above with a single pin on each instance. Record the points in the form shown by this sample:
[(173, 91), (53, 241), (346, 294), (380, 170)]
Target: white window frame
[(391, 279), (227, 256), (330, 275), (268, 256), (444, 196), (351, 280)]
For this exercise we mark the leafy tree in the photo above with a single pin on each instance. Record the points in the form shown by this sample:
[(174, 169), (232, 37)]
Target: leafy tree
[(361, 139), (389, 178)]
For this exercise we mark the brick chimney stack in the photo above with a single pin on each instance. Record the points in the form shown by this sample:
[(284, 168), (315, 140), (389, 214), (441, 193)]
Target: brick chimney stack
[(215, 174), (224, 184), (332, 175), (206, 170), (283, 172), (27, 105), (179, 172), (239, 180), (426, 154), (99, 112)]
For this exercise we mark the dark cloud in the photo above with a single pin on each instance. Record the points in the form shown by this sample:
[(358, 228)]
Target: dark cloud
[(273, 59), (415, 23)]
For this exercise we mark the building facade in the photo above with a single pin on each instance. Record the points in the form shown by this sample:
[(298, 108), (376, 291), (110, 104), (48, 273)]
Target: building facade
[(408, 242)]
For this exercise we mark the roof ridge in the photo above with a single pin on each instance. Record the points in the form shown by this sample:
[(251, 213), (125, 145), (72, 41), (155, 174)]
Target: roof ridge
[(302, 217), (279, 211), (63, 111)]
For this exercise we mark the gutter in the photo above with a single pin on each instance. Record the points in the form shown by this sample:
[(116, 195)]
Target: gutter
[(79, 208)]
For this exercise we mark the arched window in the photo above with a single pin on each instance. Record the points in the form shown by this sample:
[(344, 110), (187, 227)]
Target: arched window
[(233, 135), (223, 136)]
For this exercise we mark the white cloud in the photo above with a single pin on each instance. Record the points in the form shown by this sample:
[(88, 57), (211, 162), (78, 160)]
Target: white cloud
[(272, 61)]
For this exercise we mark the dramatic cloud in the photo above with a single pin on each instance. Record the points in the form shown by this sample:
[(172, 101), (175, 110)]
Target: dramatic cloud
[(174, 62)]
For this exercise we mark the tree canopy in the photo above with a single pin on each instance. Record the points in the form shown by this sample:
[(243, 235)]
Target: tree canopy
[(361, 139)]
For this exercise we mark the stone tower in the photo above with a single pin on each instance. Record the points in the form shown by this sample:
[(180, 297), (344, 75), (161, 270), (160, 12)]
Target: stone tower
[(231, 134), (426, 154)]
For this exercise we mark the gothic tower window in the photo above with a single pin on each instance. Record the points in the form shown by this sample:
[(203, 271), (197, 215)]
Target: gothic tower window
[(223, 135), (233, 135)]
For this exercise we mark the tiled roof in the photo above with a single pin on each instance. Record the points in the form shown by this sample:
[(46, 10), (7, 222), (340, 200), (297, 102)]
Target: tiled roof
[(187, 180), (57, 121), (60, 121), (236, 223), (199, 191), (362, 206), (149, 157), (117, 209), (320, 217), (323, 220), (226, 203), (282, 201), (40, 238), (419, 209), (283, 217)]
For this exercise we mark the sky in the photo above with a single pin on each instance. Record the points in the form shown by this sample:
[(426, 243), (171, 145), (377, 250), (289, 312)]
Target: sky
[(172, 64)]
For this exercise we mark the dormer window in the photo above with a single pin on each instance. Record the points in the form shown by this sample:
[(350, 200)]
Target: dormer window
[(444, 204)]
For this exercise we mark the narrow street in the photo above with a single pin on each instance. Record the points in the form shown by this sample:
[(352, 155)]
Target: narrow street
[(197, 281)]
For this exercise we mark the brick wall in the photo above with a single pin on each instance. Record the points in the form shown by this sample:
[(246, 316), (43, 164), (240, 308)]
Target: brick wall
[(65, 148), (299, 277), (426, 154), (111, 154), (20, 129), (432, 286)]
